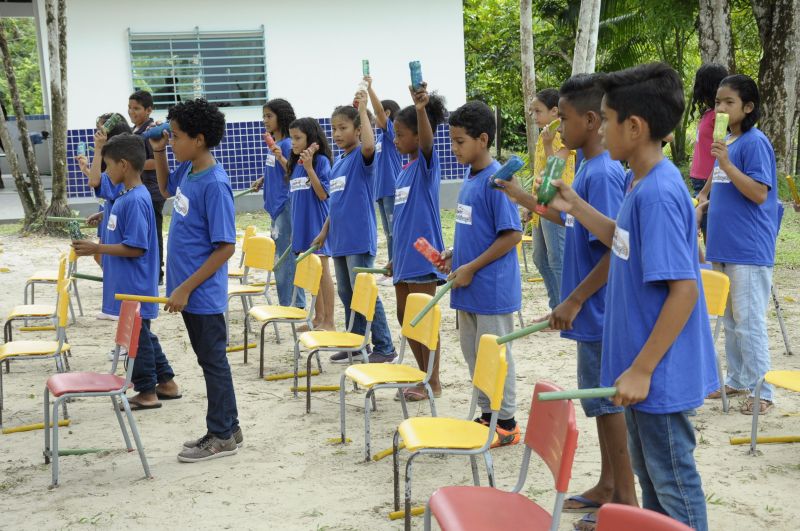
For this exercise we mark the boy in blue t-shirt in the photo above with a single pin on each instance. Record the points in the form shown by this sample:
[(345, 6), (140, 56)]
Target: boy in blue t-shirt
[(600, 181), (657, 346), (484, 263), (130, 254), (202, 237)]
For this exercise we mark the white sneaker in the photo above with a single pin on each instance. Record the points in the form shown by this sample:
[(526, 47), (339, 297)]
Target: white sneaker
[(106, 317), (385, 281)]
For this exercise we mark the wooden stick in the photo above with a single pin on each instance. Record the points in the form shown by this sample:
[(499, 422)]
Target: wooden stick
[(439, 294), (767, 440), (538, 327), (415, 511), (37, 426), (140, 298)]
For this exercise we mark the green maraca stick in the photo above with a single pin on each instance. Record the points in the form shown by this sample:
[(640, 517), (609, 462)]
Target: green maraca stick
[(523, 332), (376, 270), (597, 392), (303, 256), (439, 294), (282, 258)]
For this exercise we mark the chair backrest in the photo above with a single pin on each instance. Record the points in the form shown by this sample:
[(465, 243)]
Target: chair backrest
[(365, 294), (62, 304), (63, 272), (490, 370), (260, 253), (553, 433), (73, 257), (249, 232), (308, 273), (427, 330), (128, 327), (715, 288), (614, 516)]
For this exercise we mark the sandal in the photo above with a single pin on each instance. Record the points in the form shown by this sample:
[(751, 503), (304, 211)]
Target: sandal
[(729, 391), (589, 521), (747, 406)]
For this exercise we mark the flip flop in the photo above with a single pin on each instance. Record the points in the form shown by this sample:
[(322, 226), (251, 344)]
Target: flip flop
[(588, 519), (589, 506), (162, 396), (136, 406)]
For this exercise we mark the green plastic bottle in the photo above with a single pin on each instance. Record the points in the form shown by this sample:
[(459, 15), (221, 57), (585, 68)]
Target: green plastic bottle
[(546, 192)]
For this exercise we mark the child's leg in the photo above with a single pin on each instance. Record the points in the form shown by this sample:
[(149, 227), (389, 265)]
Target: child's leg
[(144, 368), (554, 237), (381, 337), (158, 207), (662, 454), (323, 310), (469, 340), (284, 275), (542, 263), (344, 286), (733, 351), (208, 337), (501, 325), (164, 372)]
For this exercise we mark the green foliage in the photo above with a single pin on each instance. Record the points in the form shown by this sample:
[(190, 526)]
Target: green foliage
[(21, 35)]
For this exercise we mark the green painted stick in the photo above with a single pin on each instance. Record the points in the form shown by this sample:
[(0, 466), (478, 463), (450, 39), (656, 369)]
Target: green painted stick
[(58, 219), (597, 392), (376, 270), (237, 195), (87, 277), (538, 327), (303, 256), (82, 451), (439, 294), (282, 258)]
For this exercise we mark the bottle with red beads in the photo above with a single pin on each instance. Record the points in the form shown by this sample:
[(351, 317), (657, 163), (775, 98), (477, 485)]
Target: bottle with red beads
[(429, 251), (269, 140)]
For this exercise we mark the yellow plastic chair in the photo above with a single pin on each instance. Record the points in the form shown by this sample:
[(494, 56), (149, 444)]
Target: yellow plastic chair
[(27, 312), (444, 435), (786, 379), (307, 276), (260, 256), (374, 376), (41, 350), (716, 286), (238, 272), (365, 295), (51, 278)]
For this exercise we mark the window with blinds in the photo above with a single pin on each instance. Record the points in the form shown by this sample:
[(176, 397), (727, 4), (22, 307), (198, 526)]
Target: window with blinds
[(225, 67)]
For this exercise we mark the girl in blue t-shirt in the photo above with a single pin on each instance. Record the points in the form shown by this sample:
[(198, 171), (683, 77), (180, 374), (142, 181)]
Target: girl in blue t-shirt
[(742, 227), (351, 229), (308, 174), (416, 214)]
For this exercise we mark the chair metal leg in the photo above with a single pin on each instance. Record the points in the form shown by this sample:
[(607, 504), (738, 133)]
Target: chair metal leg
[(308, 381), (408, 491), (121, 423), (396, 469), (519, 317), (779, 313), (77, 297), (136, 438), (756, 411), (431, 399), (72, 310), (46, 425), (487, 458), (342, 427), (474, 464), (367, 450), (403, 403), (296, 365), (1, 398), (33, 294), (261, 352), (720, 375), (54, 446), (60, 370), (427, 516), (524, 258)]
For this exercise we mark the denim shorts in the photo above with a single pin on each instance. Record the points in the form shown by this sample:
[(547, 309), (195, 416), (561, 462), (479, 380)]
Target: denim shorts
[(423, 279), (589, 353)]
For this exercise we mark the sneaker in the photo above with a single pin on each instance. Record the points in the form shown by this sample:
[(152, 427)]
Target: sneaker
[(237, 436), (210, 447), (382, 358), (342, 357), (507, 437), (106, 317), (385, 281)]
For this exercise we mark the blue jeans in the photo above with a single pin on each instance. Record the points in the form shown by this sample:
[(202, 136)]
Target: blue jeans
[(208, 337), (284, 275), (386, 209), (151, 366), (745, 322), (662, 455), (345, 281), (589, 354), (548, 254)]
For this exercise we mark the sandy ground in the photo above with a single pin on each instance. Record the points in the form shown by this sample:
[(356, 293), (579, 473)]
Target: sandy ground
[(287, 476)]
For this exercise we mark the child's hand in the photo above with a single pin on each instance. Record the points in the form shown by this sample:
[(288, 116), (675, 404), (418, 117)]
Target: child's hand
[(95, 219), (633, 386), (700, 210), (420, 96), (85, 247), (719, 149), (513, 190), (368, 81), (178, 300), (462, 276), (564, 314), (257, 184), (100, 139), (547, 136), (83, 163), (564, 200), (389, 269), (160, 144), (307, 156), (361, 99), (447, 257), (319, 241)]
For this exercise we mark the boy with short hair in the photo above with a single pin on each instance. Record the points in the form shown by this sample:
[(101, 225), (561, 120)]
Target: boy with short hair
[(202, 237), (131, 264), (140, 107), (484, 263), (657, 346)]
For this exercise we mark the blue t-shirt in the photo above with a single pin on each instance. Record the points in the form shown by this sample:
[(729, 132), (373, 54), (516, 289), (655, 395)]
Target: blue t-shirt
[(655, 241), (482, 214), (132, 222), (353, 229), (308, 212), (203, 217), (739, 230), (600, 181), (276, 189), (416, 213), (108, 192), (388, 163)]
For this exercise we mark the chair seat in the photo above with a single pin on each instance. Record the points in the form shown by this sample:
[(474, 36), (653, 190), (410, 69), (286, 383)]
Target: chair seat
[(262, 284), (527, 238), (443, 432), (786, 379), (314, 340), (29, 348), (84, 382), (245, 289), (465, 508), (378, 373), (237, 272), (44, 276), (267, 312), (32, 310)]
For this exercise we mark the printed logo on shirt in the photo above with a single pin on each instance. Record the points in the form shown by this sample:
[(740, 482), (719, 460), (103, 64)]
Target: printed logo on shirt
[(299, 183), (181, 203), (720, 176), (401, 195), (338, 184), (569, 221), (621, 245), (464, 214), (271, 161), (379, 147), (112, 222)]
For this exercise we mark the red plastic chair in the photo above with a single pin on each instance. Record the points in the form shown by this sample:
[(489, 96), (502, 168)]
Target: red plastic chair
[(87, 384), (553, 435), (614, 517)]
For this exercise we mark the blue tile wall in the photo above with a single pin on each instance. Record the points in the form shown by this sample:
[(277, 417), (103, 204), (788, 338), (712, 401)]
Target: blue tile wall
[(242, 154)]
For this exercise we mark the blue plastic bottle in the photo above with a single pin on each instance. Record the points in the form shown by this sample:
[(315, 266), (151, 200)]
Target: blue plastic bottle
[(507, 170), (156, 132), (416, 74)]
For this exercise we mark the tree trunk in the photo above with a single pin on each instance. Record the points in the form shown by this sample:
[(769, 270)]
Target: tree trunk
[(62, 52), (528, 76), (58, 118), (23, 189), (779, 31), (715, 38), (583, 59)]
